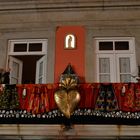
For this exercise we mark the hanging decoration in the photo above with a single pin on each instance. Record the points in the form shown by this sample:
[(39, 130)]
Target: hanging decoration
[(106, 100), (67, 96), (9, 97), (38, 100)]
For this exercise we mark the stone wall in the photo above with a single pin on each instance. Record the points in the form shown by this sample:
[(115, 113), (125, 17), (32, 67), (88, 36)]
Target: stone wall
[(40, 19)]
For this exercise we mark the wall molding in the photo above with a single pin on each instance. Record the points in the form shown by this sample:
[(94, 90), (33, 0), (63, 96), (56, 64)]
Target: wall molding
[(29, 5), (79, 131)]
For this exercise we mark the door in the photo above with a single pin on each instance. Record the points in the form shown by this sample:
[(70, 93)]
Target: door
[(126, 67), (105, 68), (41, 70), (116, 68), (16, 66)]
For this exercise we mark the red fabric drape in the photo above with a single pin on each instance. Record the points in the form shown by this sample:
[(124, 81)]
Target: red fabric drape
[(137, 96), (24, 99), (37, 98), (88, 93), (51, 89), (40, 98)]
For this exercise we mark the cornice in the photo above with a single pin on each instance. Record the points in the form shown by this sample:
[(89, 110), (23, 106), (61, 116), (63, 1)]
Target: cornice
[(92, 132), (16, 5)]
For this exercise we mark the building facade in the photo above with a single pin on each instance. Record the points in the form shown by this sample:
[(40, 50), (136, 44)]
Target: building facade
[(99, 38), (104, 23)]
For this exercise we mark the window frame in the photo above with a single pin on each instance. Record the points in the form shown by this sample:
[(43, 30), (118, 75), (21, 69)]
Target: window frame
[(42, 53), (131, 41), (11, 44), (116, 55)]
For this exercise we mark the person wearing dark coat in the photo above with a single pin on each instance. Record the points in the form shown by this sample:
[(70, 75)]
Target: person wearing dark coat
[(4, 76)]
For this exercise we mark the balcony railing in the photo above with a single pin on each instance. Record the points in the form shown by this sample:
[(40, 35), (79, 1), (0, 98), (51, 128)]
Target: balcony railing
[(100, 103)]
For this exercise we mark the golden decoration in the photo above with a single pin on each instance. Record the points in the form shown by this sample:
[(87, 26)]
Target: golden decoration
[(67, 101), (67, 97), (68, 83)]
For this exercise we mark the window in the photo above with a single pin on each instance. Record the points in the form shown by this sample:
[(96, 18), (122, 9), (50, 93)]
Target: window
[(27, 61), (121, 45), (27, 47), (105, 45), (125, 71), (104, 69), (21, 47), (35, 47), (115, 59)]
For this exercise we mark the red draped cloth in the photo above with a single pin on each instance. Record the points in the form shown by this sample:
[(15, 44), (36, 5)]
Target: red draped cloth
[(39, 98), (88, 93), (137, 97), (118, 92), (129, 98)]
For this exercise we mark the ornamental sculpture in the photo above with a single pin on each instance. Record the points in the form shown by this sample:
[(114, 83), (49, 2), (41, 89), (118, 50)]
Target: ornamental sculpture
[(67, 96)]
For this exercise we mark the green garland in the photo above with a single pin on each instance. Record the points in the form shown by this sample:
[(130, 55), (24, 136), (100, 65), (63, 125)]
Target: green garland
[(9, 98)]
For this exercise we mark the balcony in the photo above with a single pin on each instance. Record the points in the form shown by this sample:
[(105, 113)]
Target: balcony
[(100, 103), (29, 110)]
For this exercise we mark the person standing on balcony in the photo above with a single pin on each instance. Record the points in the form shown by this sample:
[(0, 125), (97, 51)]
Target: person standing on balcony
[(4, 76)]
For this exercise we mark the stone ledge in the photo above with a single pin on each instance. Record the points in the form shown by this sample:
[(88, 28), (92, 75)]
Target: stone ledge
[(64, 4), (77, 131)]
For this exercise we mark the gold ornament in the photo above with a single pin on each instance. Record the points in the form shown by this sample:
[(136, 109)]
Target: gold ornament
[(68, 83), (67, 96), (67, 101)]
